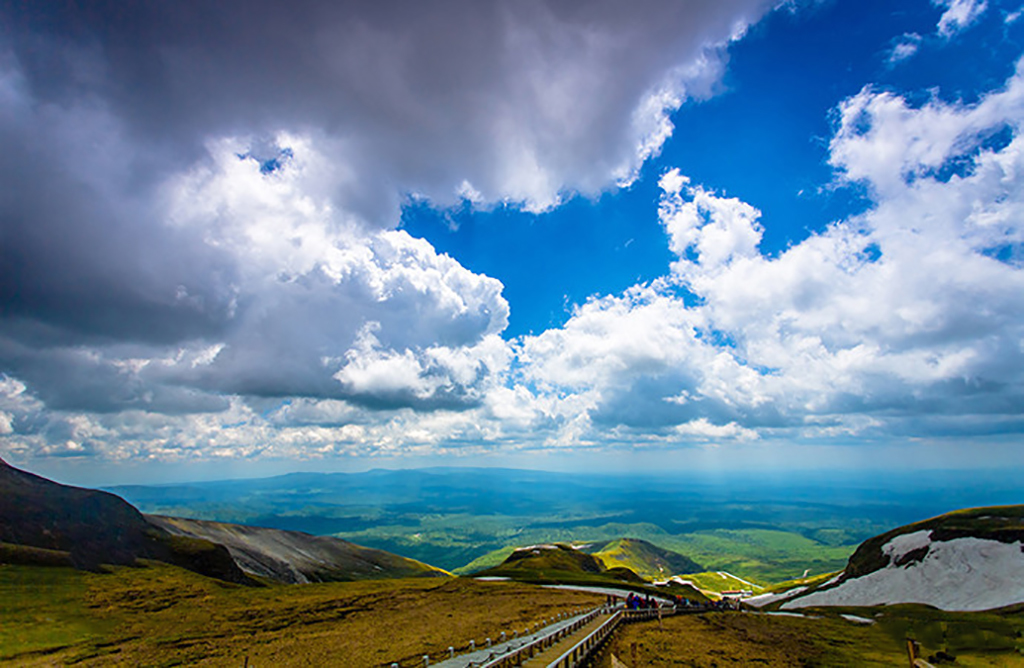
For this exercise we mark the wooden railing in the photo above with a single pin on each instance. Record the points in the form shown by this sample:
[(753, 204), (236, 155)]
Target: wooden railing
[(505, 656), (517, 656), (582, 650)]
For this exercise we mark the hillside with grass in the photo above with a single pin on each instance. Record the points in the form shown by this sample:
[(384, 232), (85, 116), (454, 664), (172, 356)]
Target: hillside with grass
[(294, 557), (558, 563), (43, 522), (642, 557), (718, 582), (833, 638), (552, 558), (162, 615)]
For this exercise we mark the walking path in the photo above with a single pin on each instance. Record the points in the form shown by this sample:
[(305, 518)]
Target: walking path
[(565, 641), (484, 654), (611, 591), (546, 657)]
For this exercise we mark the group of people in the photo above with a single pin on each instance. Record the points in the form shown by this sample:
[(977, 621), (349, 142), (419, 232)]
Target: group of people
[(635, 602)]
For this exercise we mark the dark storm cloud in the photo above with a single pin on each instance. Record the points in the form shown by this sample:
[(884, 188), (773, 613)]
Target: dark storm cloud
[(106, 106), (397, 82)]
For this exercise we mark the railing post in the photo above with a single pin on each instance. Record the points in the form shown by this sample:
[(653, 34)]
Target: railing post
[(426, 660), (451, 652)]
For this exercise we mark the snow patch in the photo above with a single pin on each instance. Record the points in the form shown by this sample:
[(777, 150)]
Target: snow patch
[(678, 580), (857, 620), (727, 574), (767, 599), (832, 580), (528, 548), (906, 543), (966, 574)]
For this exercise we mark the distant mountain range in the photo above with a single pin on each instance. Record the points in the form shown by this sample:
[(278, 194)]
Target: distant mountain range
[(966, 560)]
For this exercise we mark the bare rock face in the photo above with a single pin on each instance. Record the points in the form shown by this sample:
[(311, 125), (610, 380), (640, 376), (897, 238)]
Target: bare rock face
[(45, 522), (296, 557)]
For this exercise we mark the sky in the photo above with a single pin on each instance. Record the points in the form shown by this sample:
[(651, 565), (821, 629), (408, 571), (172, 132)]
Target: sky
[(246, 238)]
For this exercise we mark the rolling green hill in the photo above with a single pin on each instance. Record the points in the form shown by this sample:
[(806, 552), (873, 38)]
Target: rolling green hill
[(563, 564), (643, 558), (558, 564), (544, 558)]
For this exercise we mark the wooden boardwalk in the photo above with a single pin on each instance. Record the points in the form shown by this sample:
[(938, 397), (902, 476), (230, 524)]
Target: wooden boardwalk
[(545, 658)]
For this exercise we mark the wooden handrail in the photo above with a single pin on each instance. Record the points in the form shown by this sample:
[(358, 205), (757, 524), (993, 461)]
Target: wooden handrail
[(515, 657), (581, 650)]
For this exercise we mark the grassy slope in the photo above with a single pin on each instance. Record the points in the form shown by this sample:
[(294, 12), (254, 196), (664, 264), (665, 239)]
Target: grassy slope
[(716, 581), (90, 528), (644, 558), (558, 564), (163, 615), (489, 560), (760, 555), (811, 581)]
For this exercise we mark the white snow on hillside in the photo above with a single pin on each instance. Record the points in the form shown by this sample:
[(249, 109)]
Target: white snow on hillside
[(961, 574), (766, 599), (907, 542)]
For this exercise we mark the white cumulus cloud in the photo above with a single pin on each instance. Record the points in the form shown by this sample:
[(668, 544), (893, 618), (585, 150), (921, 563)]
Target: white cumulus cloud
[(959, 14)]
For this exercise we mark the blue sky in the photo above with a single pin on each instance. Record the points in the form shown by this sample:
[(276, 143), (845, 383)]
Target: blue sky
[(551, 235), (773, 110)]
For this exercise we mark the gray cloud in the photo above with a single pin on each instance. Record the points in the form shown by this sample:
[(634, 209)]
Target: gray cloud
[(129, 131), (418, 97)]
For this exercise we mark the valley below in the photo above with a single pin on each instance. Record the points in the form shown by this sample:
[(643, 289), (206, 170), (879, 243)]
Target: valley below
[(762, 528)]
